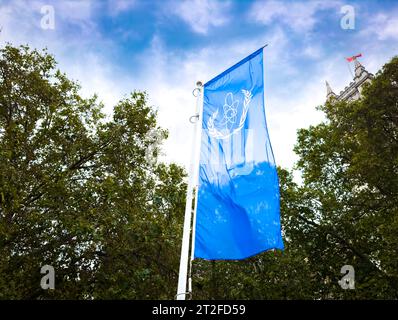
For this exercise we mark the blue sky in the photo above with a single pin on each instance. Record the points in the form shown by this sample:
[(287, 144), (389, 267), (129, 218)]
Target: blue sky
[(164, 47)]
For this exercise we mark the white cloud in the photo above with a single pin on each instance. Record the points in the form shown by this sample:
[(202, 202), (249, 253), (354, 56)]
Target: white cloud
[(201, 14), (75, 11), (313, 51), (15, 17), (76, 14), (384, 26), (300, 16), (390, 30), (96, 75), (169, 78), (118, 6), (75, 55), (21, 21)]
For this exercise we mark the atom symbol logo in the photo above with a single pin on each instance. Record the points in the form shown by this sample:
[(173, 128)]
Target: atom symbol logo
[(230, 111), (228, 121)]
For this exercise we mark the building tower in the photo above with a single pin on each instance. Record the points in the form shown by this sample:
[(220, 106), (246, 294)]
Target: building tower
[(354, 89)]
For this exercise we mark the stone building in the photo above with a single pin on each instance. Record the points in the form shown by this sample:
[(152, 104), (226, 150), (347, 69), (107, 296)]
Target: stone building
[(353, 90)]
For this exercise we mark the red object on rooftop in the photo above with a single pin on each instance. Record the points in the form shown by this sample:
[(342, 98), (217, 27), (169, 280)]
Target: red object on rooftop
[(350, 59)]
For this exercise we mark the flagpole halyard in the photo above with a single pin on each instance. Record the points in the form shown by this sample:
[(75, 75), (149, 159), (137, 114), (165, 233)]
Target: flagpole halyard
[(349, 69), (192, 184)]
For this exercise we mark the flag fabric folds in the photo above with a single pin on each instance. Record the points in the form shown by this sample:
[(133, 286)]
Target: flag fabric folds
[(238, 211), (350, 59)]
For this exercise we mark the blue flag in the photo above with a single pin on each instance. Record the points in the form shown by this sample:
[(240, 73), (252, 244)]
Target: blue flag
[(238, 199)]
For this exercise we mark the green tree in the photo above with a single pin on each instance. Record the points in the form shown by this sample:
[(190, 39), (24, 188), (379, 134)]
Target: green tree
[(78, 192), (350, 169)]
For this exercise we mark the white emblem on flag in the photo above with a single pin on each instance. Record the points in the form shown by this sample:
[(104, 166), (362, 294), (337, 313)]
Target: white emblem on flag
[(227, 125)]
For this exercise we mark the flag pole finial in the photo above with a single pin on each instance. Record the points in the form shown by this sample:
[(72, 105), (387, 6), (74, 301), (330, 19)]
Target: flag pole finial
[(197, 90)]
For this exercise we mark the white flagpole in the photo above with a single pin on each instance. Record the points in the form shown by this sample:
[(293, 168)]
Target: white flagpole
[(196, 185), (192, 181)]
